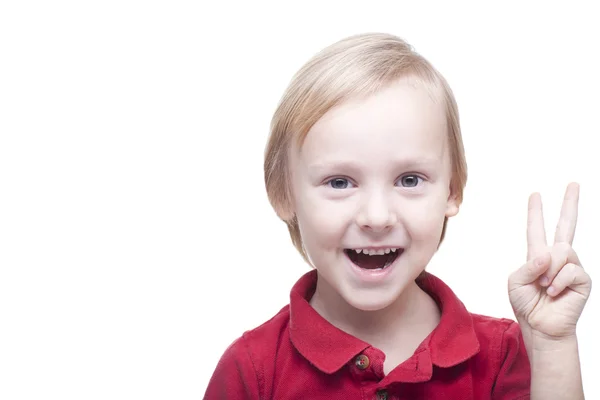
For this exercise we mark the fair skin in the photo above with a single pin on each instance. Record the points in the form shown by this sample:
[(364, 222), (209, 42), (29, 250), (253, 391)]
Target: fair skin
[(374, 173), (548, 295)]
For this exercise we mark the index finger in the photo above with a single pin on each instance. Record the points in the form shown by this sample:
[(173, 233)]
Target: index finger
[(536, 232), (565, 229)]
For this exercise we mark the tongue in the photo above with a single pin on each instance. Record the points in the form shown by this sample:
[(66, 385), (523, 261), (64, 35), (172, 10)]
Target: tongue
[(368, 262)]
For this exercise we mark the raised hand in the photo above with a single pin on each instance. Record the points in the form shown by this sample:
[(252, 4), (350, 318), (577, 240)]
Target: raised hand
[(549, 292)]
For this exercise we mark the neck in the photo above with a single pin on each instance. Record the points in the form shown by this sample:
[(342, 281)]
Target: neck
[(409, 319)]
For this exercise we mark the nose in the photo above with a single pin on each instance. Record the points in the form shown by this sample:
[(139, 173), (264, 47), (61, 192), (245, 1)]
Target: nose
[(376, 214)]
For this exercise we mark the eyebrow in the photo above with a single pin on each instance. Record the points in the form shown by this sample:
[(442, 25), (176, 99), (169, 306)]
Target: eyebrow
[(353, 165)]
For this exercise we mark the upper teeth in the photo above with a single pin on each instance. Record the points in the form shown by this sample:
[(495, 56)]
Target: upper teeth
[(376, 252)]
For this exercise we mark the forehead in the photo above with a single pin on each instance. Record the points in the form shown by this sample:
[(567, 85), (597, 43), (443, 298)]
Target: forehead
[(406, 119)]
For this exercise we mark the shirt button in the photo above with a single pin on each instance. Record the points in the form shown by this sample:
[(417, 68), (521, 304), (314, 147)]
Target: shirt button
[(362, 362), (382, 395)]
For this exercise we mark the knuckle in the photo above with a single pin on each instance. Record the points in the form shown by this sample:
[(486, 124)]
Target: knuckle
[(573, 268), (571, 272), (567, 271), (573, 255)]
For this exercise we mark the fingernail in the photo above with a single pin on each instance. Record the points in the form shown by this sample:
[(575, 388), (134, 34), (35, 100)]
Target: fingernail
[(544, 281), (551, 290)]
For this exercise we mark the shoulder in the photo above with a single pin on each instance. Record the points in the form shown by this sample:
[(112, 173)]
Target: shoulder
[(503, 352), (498, 336), (259, 343), (496, 331), (244, 365), (491, 326), (269, 328)]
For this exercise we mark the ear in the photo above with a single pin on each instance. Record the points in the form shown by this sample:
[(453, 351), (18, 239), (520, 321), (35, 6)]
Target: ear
[(452, 206)]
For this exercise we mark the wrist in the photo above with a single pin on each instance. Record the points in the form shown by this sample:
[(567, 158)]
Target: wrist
[(543, 343), (555, 367)]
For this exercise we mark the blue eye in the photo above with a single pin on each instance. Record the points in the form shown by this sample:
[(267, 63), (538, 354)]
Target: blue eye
[(339, 183), (410, 180)]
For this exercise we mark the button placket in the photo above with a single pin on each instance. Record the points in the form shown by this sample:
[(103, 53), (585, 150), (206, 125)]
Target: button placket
[(382, 395), (362, 362)]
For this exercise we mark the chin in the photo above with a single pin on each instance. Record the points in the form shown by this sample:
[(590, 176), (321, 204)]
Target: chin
[(371, 306), (374, 301)]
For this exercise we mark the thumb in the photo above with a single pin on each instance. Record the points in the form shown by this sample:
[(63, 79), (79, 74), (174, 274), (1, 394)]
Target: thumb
[(530, 271)]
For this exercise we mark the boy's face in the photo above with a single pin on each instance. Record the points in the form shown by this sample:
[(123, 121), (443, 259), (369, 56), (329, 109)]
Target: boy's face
[(374, 173)]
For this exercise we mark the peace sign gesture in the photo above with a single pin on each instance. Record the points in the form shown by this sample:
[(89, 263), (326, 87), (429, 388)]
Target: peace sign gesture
[(549, 292)]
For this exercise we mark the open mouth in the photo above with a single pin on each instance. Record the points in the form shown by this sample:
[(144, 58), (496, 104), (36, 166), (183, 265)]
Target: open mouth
[(368, 260)]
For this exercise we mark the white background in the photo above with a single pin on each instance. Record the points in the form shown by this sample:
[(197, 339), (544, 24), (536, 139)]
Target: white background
[(136, 239)]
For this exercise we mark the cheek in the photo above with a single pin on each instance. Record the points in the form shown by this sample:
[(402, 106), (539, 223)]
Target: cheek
[(323, 223), (425, 220)]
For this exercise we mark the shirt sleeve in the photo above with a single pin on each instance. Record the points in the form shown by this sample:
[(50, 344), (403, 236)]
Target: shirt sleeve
[(234, 377), (513, 381)]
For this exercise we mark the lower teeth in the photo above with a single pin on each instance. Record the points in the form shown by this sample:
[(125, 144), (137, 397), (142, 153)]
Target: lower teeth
[(380, 268), (389, 261), (387, 264)]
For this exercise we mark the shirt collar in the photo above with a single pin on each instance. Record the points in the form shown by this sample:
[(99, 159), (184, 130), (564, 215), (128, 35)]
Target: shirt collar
[(328, 348)]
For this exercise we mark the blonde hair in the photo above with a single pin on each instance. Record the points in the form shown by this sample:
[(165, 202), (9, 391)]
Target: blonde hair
[(358, 65)]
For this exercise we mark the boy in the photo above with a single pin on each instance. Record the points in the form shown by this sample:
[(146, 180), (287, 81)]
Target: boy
[(365, 164)]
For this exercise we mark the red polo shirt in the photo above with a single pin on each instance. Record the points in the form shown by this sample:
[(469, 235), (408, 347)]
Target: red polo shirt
[(299, 355)]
